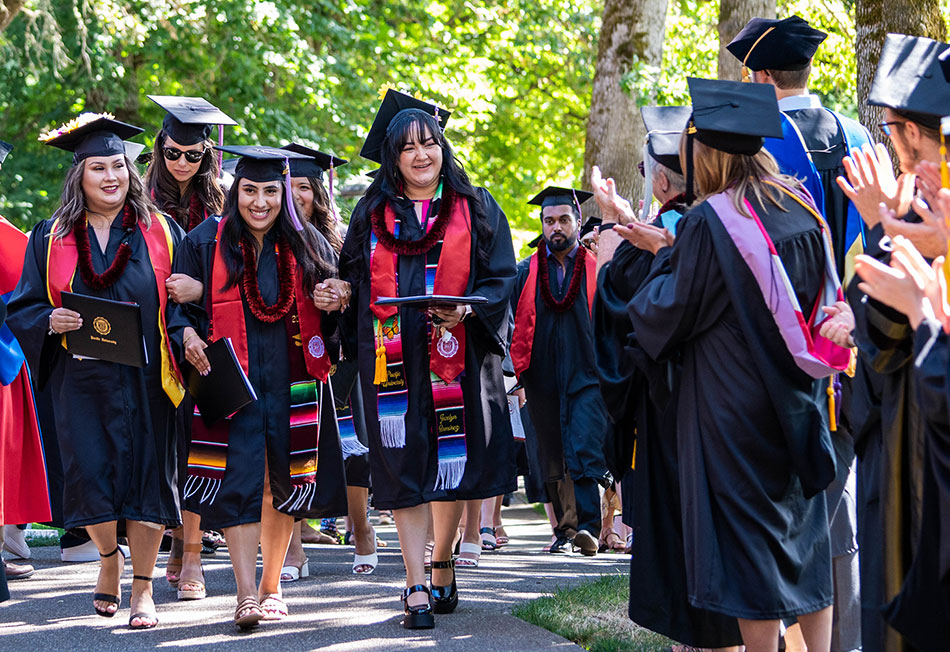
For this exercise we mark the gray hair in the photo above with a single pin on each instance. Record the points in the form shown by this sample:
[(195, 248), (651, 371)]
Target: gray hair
[(677, 180), (72, 204)]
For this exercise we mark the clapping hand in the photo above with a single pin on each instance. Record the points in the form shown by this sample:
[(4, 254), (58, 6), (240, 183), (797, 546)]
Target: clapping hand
[(613, 207), (871, 182), (645, 236)]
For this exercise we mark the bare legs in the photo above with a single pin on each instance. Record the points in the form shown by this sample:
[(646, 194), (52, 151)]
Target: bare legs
[(412, 525), (473, 519), (191, 557), (762, 635), (144, 541), (363, 535), (445, 523)]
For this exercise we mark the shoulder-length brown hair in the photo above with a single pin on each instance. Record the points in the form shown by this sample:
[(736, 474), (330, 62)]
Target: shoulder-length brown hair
[(72, 204), (321, 215), (715, 171), (164, 190)]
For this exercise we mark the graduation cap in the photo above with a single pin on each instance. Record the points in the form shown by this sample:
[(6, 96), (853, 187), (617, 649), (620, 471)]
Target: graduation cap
[(589, 226), (372, 173), (261, 164), (92, 134), (394, 103), (229, 165), (909, 78), (315, 164), (557, 196), (189, 120), (5, 148), (734, 117), (133, 150), (944, 60), (665, 125), (769, 44)]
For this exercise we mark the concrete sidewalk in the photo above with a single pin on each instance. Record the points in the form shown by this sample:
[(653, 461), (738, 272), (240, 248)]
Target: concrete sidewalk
[(331, 610)]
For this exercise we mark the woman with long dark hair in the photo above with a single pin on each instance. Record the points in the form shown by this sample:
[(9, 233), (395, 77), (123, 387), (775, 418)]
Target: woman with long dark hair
[(257, 470), (316, 207), (433, 391), (183, 181), (115, 423)]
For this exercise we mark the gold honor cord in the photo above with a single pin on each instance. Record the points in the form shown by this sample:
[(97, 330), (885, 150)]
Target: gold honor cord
[(745, 69)]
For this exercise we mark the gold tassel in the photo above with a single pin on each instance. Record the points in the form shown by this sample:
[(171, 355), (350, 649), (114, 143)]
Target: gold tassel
[(633, 458), (832, 422), (380, 377)]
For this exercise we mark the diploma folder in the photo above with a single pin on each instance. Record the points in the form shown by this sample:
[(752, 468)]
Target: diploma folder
[(426, 301), (226, 388), (111, 330)]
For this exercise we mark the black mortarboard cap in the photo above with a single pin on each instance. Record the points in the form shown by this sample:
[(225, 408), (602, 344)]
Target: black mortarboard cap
[(189, 120), (394, 103), (534, 243), (372, 173), (5, 148), (589, 226), (665, 125), (260, 163), (229, 164), (734, 117), (92, 134), (557, 196), (944, 60), (909, 78), (133, 150), (769, 44), (315, 164)]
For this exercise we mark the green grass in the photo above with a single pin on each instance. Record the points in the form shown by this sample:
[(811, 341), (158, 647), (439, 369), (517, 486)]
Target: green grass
[(593, 615), (539, 508)]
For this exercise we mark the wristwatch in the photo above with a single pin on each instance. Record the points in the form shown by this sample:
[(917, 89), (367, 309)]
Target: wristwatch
[(51, 331)]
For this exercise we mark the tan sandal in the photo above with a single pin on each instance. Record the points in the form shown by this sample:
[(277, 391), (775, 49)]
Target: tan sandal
[(192, 589), (248, 613), (173, 565)]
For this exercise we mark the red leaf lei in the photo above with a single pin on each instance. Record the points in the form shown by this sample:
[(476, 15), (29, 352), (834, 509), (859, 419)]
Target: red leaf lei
[(112, 274), (196, 212), (573, 289), (423, 244), (286, 276)]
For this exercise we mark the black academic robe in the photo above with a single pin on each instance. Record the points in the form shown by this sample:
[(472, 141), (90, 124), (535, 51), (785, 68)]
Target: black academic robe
[(921, 609), (753, 446), (641, 398), (891, 460), (560, 382), (115, 424), (263, 427), (405, 477)]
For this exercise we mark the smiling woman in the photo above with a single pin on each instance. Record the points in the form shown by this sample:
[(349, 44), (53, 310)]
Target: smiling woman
[(115, 423)]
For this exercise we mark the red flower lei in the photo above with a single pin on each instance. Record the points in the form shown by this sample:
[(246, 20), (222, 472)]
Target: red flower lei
[(196, 212), (112, 274), (573, 289), (423, 244), (286, 276)]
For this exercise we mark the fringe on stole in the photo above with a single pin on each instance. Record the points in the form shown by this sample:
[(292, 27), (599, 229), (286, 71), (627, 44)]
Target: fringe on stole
[(392, 431), (450, 473), (301, 497), (208, 487), (352, 447)]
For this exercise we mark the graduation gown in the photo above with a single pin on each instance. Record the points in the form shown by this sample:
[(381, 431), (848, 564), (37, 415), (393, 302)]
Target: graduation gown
[(115, 424), (755, 546), (920, 611), (560, 382), (641, 398), (405, 477), (263, 427)]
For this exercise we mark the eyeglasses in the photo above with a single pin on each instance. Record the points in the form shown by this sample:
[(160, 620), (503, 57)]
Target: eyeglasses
[(886, 126), (192, 155)]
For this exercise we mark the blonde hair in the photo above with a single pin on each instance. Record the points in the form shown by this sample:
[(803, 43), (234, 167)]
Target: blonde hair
[(715, 171), (72, 206)]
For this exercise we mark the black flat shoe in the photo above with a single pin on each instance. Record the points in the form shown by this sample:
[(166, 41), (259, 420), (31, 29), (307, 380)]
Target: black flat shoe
[(417, 617), (108, 597), (560, 547), (445, 598)]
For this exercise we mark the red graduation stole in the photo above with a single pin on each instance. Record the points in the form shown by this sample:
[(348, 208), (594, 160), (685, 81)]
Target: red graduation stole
[(62, 258), (451, 278), (526, 315)]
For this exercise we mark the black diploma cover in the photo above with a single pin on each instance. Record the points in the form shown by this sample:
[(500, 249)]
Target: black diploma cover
[(226, 388), (111, 330), (426, 301)]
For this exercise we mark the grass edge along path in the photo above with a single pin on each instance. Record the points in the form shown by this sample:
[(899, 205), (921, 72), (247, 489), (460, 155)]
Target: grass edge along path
[(594, 616)]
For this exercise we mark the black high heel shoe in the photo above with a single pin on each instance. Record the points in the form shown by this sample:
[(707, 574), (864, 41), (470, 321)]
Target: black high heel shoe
[(108, 598), (417, 617), (445, 598)]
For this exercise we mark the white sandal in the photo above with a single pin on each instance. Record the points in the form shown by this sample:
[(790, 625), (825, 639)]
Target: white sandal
[(472, 549), (371, 560), (293, 573)]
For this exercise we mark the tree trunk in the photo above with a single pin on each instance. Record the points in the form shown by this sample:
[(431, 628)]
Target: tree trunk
[(733, 16), (631, 35), (874, 19), (8, 10)]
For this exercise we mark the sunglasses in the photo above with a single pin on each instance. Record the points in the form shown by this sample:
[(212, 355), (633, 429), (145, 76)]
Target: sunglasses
[(173, 154)]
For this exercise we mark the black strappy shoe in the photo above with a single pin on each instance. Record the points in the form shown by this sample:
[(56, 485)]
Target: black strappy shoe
[(151, 615), (108, 597), (445, 598), (417, 617)]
